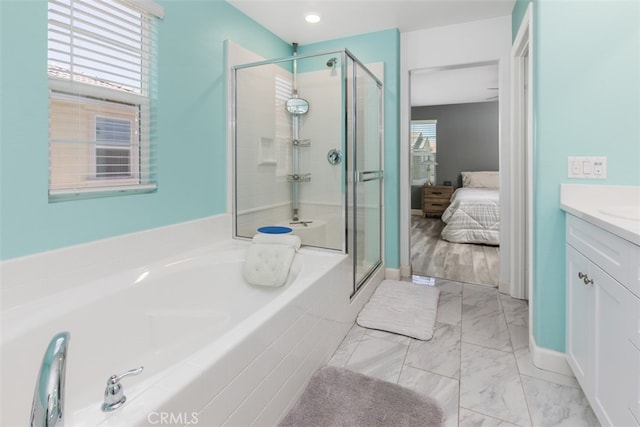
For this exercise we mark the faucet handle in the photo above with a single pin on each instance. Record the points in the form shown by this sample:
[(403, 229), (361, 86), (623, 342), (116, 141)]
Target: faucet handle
[(113, 395), (114, 379)]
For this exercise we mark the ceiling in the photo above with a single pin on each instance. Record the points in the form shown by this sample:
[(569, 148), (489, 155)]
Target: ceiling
[(454, 85), (343, 18)]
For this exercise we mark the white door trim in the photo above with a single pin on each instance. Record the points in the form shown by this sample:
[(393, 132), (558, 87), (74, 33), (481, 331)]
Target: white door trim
[(522, 161)]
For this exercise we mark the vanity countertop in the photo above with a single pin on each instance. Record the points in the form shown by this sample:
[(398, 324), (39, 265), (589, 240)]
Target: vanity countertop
[(615, 208)]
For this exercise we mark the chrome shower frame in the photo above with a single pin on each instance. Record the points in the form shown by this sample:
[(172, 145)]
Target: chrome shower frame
[(353, 175)]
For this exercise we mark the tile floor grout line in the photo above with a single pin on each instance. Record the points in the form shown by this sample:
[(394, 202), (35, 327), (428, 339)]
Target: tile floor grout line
[(404, 362), (354, 347), (488, 348), (489, 416), (515, 361), (409, 365)]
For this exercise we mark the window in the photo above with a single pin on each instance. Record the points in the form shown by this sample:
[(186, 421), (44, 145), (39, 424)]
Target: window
[(423, 151), (101, 70), (113, 155)]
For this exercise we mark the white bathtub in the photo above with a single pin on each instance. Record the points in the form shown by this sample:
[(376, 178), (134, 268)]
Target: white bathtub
[(215, 350)]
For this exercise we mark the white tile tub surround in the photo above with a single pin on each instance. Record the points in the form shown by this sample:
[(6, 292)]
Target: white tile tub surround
[(242, 359)]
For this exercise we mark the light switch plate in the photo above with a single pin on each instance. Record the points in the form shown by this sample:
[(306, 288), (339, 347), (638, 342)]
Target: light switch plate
[(587, 167)]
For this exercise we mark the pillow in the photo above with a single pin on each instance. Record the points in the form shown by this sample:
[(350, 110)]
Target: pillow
[(485, 179), (268, 264)]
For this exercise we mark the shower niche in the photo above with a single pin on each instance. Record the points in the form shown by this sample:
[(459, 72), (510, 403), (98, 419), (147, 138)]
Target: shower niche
[(307, 153)]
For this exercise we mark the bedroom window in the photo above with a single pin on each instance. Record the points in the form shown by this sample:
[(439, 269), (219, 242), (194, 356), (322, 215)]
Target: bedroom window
[(423, 151), (114, 156), (101, 72)]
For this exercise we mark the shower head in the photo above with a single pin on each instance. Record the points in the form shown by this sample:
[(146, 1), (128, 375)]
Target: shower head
[(332, 62)]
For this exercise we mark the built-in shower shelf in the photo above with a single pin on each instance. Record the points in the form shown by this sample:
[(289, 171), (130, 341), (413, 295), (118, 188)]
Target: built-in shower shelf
[(303, 177), (301, 143)]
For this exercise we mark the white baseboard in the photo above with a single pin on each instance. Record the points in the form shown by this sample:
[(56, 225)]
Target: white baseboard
[(392, 273), (549, 360), (405, 271), (416, 212), (504, 287)]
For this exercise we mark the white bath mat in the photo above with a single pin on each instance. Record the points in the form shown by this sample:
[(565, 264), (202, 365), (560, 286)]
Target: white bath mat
[(402, 308)]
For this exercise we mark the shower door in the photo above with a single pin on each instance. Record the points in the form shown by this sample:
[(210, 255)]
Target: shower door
[(317, 171), (365, 104)]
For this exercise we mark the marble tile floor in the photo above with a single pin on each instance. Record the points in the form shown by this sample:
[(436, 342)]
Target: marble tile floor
[(477, 366)]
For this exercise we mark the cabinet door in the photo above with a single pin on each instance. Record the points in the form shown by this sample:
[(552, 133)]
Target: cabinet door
[(633, 352), (580, 335), (611, 366), (633, 388)]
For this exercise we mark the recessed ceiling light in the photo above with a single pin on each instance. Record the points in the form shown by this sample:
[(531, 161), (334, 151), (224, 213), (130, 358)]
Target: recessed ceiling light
[(312, 18)]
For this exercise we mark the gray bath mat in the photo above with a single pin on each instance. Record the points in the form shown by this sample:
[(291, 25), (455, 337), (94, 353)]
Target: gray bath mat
[(402, 308), (337, 397)]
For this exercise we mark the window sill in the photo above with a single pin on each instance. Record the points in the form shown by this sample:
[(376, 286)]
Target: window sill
[(92, 193)]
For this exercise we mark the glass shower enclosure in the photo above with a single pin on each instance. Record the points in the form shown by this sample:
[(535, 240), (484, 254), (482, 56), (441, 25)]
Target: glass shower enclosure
[(308, 153)]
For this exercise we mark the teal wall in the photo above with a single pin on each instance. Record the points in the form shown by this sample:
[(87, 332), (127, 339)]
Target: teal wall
[(586, 103), (191, 119), (519, 9), (191, 128), (381, 46)]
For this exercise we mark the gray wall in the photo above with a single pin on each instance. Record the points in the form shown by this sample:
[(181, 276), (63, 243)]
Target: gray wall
[(467, 136)]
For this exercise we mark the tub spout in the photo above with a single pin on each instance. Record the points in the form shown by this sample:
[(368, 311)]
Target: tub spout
[(47, 409), (114, 395)]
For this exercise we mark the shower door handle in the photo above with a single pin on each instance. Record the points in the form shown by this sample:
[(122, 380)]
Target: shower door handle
[(365, 176)]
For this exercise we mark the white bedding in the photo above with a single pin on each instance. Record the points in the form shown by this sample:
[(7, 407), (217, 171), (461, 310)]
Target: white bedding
[(473, 216)]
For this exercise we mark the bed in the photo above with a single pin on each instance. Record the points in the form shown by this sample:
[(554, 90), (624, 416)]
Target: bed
[(474, 213)]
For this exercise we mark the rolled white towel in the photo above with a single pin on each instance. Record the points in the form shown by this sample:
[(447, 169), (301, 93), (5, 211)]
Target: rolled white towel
[(268, 264), (278, 239)]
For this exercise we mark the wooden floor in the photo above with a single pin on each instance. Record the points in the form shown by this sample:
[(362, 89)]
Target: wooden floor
[(431, 256)]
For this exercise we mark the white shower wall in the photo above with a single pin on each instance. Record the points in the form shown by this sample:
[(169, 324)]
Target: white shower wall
[(264, 152), (258, 184), (323, 197)]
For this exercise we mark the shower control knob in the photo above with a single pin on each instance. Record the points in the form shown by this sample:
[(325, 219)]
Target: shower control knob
[(334, 156)]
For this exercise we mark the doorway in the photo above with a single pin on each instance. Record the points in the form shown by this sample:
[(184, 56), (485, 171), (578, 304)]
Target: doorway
[(461, 103)]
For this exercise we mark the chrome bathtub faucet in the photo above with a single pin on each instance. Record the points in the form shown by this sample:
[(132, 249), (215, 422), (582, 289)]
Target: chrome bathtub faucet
[(114, 394), (47, 409)]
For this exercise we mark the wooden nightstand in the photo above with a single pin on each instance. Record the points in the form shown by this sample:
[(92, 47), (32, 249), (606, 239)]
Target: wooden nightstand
[(435, 199)]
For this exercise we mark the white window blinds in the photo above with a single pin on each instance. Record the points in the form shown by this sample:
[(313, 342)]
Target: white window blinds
[(423, 151), (101, 69)]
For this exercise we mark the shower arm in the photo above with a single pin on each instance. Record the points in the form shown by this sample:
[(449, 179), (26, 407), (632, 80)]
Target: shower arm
[(295, 71)]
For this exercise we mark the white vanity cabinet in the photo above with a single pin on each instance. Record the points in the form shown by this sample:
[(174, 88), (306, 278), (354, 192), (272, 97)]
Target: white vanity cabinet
[(579, 319), (603, 320)]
